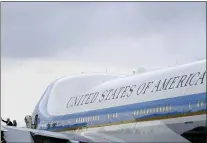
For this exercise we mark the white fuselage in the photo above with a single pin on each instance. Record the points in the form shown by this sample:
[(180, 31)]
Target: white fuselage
[(107, 103)]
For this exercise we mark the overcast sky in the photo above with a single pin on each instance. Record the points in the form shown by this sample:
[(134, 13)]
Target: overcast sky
[(42, 41)]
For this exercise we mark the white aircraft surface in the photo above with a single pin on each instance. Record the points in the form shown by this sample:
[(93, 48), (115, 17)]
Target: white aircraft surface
[(157, 106)]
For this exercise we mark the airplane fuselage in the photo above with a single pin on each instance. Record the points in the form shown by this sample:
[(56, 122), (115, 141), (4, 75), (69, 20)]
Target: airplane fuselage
[(173, 98)]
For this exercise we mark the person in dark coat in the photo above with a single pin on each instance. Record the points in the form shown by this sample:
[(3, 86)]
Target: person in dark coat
[(14, 123), (2, 137), (8, 122)]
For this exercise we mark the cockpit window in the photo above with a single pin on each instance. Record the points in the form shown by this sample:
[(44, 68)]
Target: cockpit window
[(44, 97)]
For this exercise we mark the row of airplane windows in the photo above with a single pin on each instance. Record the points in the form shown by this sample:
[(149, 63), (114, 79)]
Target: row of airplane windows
[(95, 118), (153, 110), (199, 104), (87, 119), (166, 108)]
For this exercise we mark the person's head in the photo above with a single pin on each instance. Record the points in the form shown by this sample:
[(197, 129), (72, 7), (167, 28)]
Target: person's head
[(8, 119), (14, 122)]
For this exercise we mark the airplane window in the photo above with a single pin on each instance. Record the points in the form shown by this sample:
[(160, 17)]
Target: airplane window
[(189, 105), (135, 113), (98, 117), (143, 111), (157, 109), (163, 108), (201, 103), (160, 109), (147, 111), (198, 104), (116, 115), (170, 108), (166, 108)]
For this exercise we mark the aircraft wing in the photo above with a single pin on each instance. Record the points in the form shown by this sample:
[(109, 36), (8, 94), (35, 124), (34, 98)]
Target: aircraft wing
[(17, 134), (160, 133)]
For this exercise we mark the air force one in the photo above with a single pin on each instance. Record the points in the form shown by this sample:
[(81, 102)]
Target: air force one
[(158, 106)]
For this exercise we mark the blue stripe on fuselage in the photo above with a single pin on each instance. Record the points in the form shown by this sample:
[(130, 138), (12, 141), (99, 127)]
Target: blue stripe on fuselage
[(178, 104)]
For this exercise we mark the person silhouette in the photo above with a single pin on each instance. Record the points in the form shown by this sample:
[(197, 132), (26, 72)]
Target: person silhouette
[(14, 123), (8, 122)]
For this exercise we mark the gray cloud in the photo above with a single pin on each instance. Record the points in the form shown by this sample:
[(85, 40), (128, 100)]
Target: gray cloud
[(127, 33)]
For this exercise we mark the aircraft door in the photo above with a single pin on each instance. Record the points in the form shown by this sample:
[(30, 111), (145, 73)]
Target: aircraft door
[(36, 121)]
